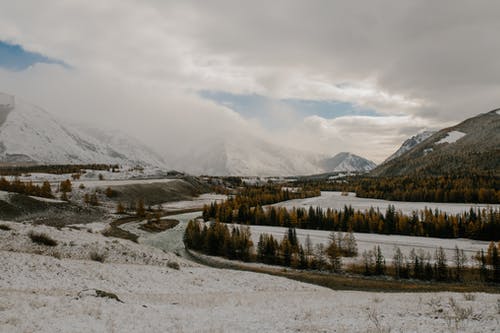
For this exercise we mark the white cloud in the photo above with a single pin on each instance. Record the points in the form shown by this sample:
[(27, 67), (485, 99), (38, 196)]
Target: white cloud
[(140, 64)]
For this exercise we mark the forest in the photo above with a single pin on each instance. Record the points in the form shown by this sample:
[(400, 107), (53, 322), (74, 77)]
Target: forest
[(234, 243), (27, 188), (54, 169), (470, 188)]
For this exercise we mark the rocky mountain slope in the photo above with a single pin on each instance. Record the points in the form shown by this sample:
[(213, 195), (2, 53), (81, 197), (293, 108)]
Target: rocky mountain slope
[(347, 162), (410, 143), (473, 146)]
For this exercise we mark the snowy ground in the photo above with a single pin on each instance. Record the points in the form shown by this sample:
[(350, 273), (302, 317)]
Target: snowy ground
[(124, 173), (195, 203), (53, 289), (45, 294), (117, 182), (336, 200)]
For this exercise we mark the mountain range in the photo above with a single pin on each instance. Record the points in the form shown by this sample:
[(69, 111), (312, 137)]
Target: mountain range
[(29, 134)]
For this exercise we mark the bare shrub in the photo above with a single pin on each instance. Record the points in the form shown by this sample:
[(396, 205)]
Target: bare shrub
[(97, 256), (469, 297), (375, 318), (173, 265), (42, 239)]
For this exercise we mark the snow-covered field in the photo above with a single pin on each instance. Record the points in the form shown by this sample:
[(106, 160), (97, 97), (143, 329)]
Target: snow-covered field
[(336, 200), (195, 203), (40, 293)]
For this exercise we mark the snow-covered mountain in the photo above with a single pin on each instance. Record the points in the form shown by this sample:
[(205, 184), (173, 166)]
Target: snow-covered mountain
[(28, 134), (245, 155), (347, 162), (31, 135), (410, 143), (470, 147)]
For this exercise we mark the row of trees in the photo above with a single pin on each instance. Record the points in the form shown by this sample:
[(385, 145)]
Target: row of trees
[(235, 243), (54, 169), (219, 240), (474, 224), (27, 188), (451, 188), (249, 197)]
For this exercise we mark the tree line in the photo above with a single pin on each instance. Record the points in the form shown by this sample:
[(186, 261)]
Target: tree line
[(54, 169), (249, 197), (474, 224), (448, 188), (234, 242), (27, 188)]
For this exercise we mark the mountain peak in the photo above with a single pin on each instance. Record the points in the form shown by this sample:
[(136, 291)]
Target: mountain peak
[(470, 146), (28, 134), (346, 161), (408, 144)]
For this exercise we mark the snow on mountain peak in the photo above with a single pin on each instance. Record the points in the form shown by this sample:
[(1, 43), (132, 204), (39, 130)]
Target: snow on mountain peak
[(28, 134), (451, 137), (410, 143)]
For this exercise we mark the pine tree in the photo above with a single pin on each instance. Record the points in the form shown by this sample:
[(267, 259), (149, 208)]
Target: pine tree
[(140, 210), (460, 260), (379, 261), (334, 253), (440, 265), (120, 209), (397, 261)]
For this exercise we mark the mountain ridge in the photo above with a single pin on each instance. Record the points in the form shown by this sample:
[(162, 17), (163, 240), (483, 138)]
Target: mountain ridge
[(472, 146), (29, 134)]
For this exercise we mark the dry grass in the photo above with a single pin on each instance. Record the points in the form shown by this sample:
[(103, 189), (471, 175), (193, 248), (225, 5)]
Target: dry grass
[(97, 256), (42, 239), (5, 227)]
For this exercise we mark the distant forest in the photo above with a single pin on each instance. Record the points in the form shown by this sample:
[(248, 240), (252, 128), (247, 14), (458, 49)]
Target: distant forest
[(452, 188), (54, 169), (247, 208)]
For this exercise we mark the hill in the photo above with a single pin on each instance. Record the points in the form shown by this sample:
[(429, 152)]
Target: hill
[(471, 147)]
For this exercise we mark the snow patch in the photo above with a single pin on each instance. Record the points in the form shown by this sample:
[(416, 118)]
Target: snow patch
[(451, 137)]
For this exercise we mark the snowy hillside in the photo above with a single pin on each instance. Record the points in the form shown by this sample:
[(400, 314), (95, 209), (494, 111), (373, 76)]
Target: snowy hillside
[(347, 162), (30, 134), (136, 290), (468, 147), (410, 143)]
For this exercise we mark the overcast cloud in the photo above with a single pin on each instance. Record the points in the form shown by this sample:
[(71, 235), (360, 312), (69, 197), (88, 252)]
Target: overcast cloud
[(141, 65)]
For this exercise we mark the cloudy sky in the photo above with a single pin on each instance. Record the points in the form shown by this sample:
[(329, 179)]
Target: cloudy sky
[(324, 76)]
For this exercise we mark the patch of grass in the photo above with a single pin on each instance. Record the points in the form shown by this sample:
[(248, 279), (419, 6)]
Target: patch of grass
[(469, 297), (173, 265), (42, 239), (97, 256), (114, 231), (5, 227)]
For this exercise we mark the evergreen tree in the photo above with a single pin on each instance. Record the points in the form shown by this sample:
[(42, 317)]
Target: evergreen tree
[(440, 265)]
